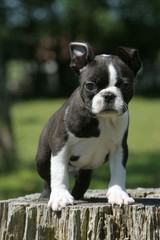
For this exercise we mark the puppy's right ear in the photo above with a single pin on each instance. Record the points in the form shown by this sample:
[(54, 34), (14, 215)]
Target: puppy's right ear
[(81, 54)]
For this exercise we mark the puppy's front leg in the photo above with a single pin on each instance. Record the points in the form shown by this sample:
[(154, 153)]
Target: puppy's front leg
[(60, 196), (116, 191)]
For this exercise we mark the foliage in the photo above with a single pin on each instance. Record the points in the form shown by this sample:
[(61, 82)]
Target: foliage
[(103, 22), (106, 24)]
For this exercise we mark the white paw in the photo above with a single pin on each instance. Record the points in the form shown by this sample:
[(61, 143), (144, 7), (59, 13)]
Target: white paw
[(60, 198), (118, 196)]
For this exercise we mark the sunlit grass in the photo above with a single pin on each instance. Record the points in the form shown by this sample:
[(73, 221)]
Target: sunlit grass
[(29, 119), (143, 165), (144, 134)]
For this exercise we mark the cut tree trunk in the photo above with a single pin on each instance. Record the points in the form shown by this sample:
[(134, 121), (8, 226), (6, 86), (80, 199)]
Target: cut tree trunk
[(27, 218)]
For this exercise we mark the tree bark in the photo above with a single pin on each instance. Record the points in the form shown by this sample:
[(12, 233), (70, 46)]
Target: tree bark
[(27, 218)]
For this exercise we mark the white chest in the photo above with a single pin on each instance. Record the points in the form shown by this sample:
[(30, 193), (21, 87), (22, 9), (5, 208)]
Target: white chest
[(90, 153)]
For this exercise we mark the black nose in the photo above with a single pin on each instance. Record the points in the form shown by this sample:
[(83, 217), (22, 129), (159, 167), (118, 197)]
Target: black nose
[(109, 97)]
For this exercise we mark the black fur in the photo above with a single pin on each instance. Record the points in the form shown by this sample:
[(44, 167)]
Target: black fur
[(82, 183), (78, 118)]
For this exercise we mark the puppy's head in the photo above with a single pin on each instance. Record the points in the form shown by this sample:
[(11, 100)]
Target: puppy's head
[(106, 81)]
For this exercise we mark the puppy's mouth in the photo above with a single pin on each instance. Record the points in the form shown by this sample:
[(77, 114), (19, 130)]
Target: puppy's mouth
[(109, 111), (112, 111)]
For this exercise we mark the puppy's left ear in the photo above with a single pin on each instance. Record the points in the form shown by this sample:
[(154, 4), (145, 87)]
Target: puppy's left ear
[(131, 57), (81, 54)]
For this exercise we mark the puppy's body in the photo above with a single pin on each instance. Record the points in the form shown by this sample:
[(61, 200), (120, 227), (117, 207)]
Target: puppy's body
[(90, 128)]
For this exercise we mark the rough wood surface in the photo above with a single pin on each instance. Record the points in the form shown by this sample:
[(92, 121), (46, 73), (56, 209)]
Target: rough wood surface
[(26, 218)]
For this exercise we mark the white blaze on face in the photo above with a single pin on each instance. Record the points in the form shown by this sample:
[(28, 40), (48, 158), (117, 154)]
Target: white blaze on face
[(112, 76), (99, 103)]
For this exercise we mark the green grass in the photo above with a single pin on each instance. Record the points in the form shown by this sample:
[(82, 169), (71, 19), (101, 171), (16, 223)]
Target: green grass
[(143, 165)]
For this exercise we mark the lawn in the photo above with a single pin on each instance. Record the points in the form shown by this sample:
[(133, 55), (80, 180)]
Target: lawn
[(143, 168)]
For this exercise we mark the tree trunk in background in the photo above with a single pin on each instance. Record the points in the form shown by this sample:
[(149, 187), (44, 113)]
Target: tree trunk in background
[(7, 150)]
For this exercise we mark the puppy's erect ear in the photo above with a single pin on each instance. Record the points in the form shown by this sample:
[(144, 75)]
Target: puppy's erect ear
[(131, 57), (81, 55)]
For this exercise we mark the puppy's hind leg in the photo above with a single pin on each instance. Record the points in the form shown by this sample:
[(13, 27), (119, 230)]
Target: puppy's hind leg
[(46, 191), (43, 166), (81, 183)]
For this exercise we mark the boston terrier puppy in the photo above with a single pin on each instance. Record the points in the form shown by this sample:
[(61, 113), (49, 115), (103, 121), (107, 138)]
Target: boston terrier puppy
[(90, 128)]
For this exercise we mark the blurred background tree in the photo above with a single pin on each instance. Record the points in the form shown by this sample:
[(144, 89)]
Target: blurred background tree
[(35, 37), (34, 56), (7, 149)]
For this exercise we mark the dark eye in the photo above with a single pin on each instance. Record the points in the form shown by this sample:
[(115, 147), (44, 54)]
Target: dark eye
[(91, 86), (125, 86)]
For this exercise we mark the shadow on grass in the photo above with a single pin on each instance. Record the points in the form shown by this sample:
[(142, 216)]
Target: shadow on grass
[(143, 170), (22, 181)]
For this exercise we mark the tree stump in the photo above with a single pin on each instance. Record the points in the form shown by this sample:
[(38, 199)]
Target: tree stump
[(27, 218)]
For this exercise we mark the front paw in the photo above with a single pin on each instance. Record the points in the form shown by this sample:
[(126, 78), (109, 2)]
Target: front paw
[(60, 198), (118, 196)]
